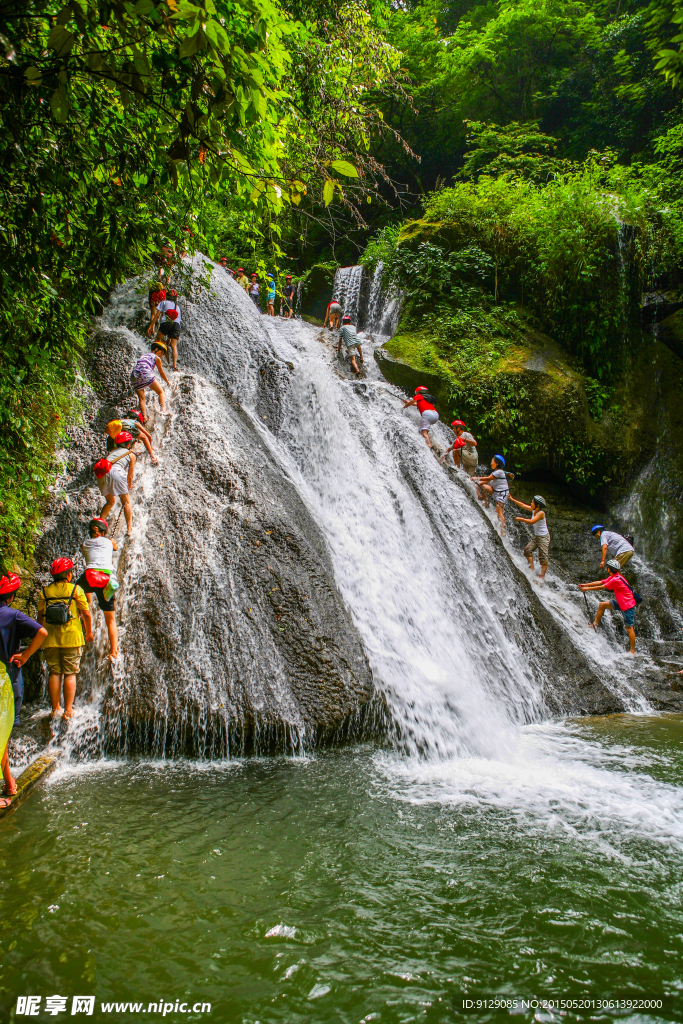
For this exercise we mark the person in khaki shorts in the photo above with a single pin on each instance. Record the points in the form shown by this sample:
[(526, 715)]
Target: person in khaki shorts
[(541, 538), (464, 448), (64, 644)]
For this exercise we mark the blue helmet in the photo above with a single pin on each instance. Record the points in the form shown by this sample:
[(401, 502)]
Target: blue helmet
[(597, 527), (499, 458), (271, 276)]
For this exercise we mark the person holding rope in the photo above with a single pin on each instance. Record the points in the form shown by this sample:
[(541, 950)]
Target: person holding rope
[(131, 424), (61, 607), (169, 325), (541, 538), (495, 485), (96, 578), (428, 414), (142, 376), (113, 480)]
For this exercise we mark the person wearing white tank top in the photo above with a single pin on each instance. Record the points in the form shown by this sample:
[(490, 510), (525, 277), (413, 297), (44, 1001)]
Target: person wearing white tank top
[(541, 538)]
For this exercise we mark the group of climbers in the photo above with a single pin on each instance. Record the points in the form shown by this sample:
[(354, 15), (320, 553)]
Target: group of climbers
[(616, 549), (253, 289)]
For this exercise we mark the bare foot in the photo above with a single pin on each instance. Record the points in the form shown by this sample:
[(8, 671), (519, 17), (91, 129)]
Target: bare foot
[(67, 715), (114, 656), (56, 713), (129, 533), (155, 462)]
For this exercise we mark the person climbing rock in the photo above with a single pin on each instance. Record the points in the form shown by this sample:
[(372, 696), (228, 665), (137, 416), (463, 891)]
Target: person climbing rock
[(494, 485), (429, 416), (142, 377), (224, 263), (613, 546), (98, 552), (270, 295), (15, 627), (624, 599), (287, 304), (132, 424), (115, 478), (464, 448), (254, 291), (169, 324), (156, 294), (541, 539), (62, 606), (333, 315), (242, 279), (349, 338)]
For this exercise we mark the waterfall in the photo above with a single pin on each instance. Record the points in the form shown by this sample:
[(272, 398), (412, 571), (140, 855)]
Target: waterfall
[(384, 306), (298, 548), (347, 290)]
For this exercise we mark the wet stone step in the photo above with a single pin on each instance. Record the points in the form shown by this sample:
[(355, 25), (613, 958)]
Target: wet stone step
[(664, 648)]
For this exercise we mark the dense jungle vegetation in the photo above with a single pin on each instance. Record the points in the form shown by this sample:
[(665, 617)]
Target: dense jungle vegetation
[(534, 142)]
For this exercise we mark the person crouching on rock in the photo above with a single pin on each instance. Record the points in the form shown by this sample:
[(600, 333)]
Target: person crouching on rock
[(142, 376), (61, 607), (132, 424), (98, 552), (429, 415), (541, 539), (115, 478), (623, 601), (494, 485), (349, 338)]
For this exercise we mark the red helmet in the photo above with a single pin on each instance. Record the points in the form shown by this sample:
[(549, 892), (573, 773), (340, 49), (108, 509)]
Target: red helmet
[(61, 565), (8, 584), (137, 414), (254, 274), (421, 388), (458, 423), (240, 270), (101, 524), (172, 293), (223, 259), (288, 277), (123, 438)]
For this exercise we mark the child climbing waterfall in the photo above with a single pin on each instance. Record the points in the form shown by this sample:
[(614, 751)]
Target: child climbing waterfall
[(495, 485), (113, 480), (142, 376), (348, 337), (428, 414), (98, 579), (131, 424), (541, 538), (625, 599)]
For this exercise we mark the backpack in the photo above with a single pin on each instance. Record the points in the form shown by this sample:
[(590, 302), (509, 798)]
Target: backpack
[(428, 398), (57, 613), (636, 595), (103, 466)]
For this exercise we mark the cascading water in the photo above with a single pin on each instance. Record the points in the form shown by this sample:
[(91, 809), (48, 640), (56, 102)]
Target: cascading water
[(384, 306), (347, 290), (282, 479)]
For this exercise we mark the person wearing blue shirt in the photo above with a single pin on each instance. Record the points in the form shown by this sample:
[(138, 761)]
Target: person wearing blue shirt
[(270, 295), (14, 627)]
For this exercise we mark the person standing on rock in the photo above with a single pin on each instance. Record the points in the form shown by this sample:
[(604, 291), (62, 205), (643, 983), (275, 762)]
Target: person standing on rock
[(464, 447), (429, 416), (255, 291), (142, 376), (349, 338), (242, 279), (613, 546), (115, 478), (61, 607), (541, 539), (270, 295), (287, 305), (132, 424), (169, 326), (333, 315), (624, 599), (494, 485), (15, 627), (98, 552)]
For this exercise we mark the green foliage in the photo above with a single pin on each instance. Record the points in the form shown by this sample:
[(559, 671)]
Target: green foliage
[(519, 149)]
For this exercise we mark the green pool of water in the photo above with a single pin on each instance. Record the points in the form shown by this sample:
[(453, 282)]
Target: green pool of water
[(354, 885)]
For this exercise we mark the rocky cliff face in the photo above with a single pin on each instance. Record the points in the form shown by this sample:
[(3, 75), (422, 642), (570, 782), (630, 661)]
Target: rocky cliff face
[(233, 634)]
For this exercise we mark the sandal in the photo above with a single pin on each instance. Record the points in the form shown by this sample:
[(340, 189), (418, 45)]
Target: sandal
[(5, 802)]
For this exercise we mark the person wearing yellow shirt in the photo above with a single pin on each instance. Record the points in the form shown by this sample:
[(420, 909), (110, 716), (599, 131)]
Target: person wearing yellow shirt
[(64, 643)]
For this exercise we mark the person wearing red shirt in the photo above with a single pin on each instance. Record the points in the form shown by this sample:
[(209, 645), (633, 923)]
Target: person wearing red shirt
[(623, 600), (427, 411)]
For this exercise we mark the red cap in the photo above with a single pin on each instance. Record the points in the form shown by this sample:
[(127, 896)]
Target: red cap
[(457, 423), (101, 468), (9, 584), (123, 438), (61, 565)]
